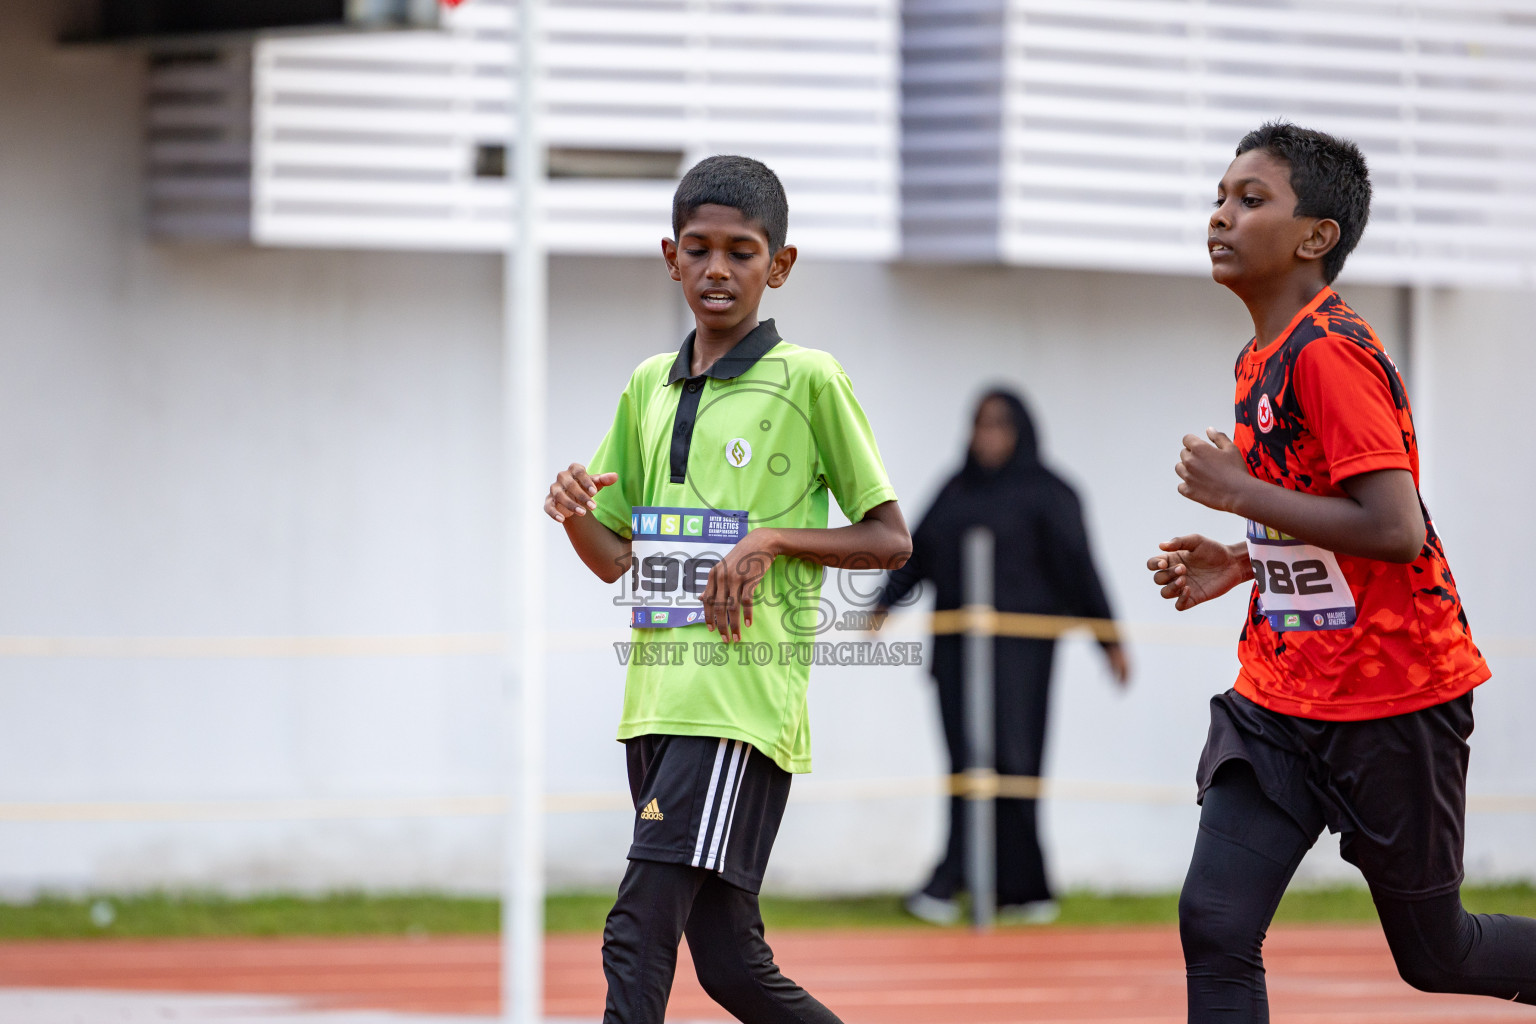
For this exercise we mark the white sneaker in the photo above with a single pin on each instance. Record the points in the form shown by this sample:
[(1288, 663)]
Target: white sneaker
[(931, 909), (1035, 912)]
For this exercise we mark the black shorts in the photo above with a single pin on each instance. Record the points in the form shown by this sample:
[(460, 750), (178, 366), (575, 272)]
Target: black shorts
[(1394, 789), (709, 803)]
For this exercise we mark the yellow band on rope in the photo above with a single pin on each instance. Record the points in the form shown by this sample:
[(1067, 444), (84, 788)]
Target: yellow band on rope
[(980, 619)]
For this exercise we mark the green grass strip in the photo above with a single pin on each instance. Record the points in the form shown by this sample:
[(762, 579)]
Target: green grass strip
[(190, 915)]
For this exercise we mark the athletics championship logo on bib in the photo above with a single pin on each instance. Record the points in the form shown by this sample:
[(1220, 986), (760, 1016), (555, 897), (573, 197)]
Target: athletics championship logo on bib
[(738, 452), (672, 551)]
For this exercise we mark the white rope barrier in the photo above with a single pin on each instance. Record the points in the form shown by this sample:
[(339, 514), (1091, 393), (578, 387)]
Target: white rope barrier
[(809, 792), (908, 626)]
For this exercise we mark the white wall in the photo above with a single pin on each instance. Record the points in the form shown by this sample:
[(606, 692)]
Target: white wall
[(227, 441)]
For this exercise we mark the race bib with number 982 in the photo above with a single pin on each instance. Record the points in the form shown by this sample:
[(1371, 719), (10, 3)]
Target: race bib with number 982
[(1301, 586)]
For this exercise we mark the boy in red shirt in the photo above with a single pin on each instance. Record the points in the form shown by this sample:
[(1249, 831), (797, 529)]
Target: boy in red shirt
[(1354, 701)]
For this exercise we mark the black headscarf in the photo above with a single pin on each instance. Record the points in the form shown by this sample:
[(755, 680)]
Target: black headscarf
[(1025, 460)]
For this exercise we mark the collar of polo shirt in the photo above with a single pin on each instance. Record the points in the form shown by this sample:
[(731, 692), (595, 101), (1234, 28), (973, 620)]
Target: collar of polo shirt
[(734, 363), (741, 358)]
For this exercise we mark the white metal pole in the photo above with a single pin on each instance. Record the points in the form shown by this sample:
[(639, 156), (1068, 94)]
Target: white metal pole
[(1421, 382), (979, 564), (523, 401)]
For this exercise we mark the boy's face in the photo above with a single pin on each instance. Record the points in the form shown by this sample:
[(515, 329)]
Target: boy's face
[(723, 262), (1254, 235)]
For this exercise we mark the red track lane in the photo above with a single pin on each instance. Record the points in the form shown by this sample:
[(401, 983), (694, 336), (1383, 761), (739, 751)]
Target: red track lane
[(1323, 975)]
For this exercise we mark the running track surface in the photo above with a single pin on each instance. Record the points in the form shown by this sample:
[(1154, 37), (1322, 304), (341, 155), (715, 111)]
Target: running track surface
[(1317, 975)]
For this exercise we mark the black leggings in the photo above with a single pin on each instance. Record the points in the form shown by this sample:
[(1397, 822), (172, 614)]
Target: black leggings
[(658, 903), (1245, 855)]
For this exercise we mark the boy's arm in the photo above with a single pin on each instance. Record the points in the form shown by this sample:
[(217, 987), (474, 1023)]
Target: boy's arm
[(568, 502), (1381, 517), (877, 541)]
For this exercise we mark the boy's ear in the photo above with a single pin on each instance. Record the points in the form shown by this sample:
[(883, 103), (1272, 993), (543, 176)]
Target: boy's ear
[(669, 253), (1322, 238), (783, 262)]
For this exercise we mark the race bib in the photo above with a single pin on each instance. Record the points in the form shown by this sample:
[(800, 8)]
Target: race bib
[(1300, 586), (673, 550)]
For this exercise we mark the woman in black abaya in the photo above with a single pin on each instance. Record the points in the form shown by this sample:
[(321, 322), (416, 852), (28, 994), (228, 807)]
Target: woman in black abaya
[(1043, 566)]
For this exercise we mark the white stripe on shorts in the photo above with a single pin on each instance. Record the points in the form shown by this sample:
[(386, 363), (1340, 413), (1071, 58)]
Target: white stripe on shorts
[(727, 805), (730, 818), (709, 804)]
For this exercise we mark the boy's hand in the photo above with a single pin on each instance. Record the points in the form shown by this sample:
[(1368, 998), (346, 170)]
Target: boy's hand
[(573, 490), (1196, 569), (1212, 473), (727, 596), (1119, 664)]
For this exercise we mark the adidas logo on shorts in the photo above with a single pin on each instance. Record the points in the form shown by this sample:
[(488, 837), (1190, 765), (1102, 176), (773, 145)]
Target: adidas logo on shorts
[(652, 812)]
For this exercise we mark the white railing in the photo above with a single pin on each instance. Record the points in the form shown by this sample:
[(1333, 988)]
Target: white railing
[(1090, 133)]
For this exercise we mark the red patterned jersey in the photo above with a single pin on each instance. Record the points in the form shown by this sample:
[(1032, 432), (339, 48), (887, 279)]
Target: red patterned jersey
[(1318, 405)]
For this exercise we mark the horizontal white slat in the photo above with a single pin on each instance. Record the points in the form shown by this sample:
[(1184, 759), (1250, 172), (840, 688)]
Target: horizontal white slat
[(639, 239), (718, 25), (1326, 56), (719, 58), (1125, 185), (1050, 46), (490, 60), (789, 100), (1028, 73), (591, 201), (1038, 144), (400, 122), (711, 135), (1173, 116), (411, 47), (280, 154), (1332, 20), (403, 82), (383, 193)]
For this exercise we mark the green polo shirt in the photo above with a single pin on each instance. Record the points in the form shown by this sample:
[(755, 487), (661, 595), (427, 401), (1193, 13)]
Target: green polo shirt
[(769, 429)]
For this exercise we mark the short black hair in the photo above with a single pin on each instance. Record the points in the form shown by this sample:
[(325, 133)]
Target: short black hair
[(1329, 177), (741, 183)]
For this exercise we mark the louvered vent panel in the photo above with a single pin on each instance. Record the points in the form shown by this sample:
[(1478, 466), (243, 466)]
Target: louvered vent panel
[(393, 141), (198, 145), (952, 104), (1117, 117)]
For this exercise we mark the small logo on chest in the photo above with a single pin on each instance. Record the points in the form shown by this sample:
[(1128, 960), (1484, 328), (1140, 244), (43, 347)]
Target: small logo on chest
[(1266, 417), (738, 452)]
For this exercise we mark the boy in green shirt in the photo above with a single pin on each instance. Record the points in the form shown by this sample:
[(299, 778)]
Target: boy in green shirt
[(708, 498)]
